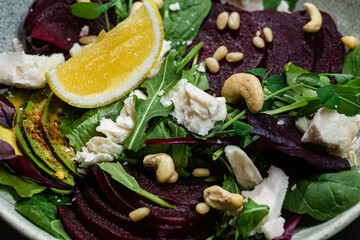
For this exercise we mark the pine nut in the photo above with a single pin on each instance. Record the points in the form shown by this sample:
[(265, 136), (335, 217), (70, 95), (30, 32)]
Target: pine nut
[(139, 214), (222, 20), (201, 172), (202, 208), (258, 42), (234, 56), (220, 53), (87, 39), (258, 33), (234, 21), (135, 6), (212, 64), (349, 41), (268, 34), (83, 1)]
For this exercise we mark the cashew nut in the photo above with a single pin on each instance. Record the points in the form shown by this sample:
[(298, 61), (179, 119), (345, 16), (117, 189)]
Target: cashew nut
[(247, 86), (163, 165), (315, 23), (220, 199)]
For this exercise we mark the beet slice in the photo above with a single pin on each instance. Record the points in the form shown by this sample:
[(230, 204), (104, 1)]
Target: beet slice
[(54, 22), (72, 225), (236, 41)]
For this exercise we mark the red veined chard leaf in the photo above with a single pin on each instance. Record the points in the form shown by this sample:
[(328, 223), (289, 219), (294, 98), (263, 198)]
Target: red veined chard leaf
[(289, 227), (7, 112)]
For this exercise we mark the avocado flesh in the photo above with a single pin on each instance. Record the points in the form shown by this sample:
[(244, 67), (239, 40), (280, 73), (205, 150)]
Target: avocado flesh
[(51, 126), (31, 122)]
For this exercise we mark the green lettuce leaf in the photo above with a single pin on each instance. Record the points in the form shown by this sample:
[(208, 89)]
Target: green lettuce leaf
[(152, 107), (182, 25), (325, 196), (22, 186), (80, 130), (119, 174), (352, 62), (196, 77)]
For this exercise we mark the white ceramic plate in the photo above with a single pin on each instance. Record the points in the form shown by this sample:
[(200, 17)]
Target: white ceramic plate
[(12, 14)]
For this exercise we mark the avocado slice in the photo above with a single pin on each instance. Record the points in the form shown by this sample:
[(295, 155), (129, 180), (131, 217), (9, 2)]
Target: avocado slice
[(60, 145), (31, 122)]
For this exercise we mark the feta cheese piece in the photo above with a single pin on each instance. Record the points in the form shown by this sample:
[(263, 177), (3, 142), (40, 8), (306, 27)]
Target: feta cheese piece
[(283, 6), (18, 46), (84, 31), (302, 124), (26, 71), (246, 173), (174, 7), (334, 131), (75, 49), (271, 192), (104, 145), (86, 159), (165, 48), (119, 131), (194, 108), (249, 5), (274, 228)]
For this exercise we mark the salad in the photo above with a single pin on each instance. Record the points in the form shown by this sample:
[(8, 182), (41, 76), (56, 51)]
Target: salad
[(180, 150)]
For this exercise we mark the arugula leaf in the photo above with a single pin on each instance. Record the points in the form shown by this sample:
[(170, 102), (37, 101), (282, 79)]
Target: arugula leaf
[(152, 107), (104, 7), (352, 62), (324, 196), (41, 210), (310, 79), (230, 184), (79, 131), (328, 96), (182, 26), (22, 186), (119, 174), (249, 218), (196, 77), (271, 4), (85, 10)]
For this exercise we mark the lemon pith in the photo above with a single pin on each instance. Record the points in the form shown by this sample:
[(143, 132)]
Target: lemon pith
[(113, 66)]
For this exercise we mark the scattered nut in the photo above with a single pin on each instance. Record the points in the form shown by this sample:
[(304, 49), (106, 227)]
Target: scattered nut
[(314, 25), (139, 214), (234, 56), (258, 42), (159, 3), (87, 39), (268, 34), (234, 21), (164, 166), (349, 41), (220, 53), (173, 177), (202, 208), (247, 86), (135, 6), (220, 199), (201, 172), (212, 64), (222, 20), (258, 33), (83, 1)]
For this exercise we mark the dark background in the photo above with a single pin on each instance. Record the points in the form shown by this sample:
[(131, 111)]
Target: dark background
[(352, 232)]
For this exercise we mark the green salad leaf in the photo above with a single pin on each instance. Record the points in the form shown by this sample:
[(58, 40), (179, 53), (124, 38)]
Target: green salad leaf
[(152, 107), (85, 10), (22, 186), (79, 131), (181, 26), (352, 62), (41, 210), (119, 174), (324, 196)]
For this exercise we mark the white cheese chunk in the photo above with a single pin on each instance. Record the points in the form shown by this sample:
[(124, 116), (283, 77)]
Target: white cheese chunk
[(246, 173), (104, 145), (86, 159), (75, 49), (283, 6), (249, 5), (18, 46), (174, 7), (165, 48), (302, 124), (194, 108), (271, 192), (26, 71), (334, 131), (274, 228)]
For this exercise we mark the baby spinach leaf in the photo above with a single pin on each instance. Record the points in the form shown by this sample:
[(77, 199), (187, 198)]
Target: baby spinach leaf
[(22, 186), (79, 131), (152, 107), (352, 62), (85, 10), (41, 210), (324, 196), (181, 26), (292, 4), (119, 174), (271, 4), (328, 96), (249, 218), (259, 72), (275, 83), (242, 129)]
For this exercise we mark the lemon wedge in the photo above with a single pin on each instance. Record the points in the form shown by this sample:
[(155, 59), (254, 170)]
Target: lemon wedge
[(114, 64)]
